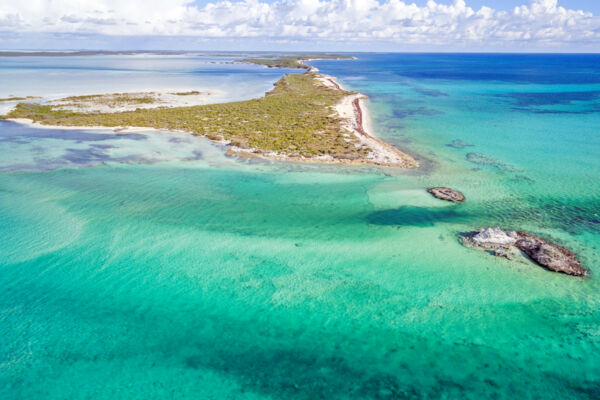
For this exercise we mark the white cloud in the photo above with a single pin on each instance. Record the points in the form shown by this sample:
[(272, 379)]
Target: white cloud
[(541, 22)]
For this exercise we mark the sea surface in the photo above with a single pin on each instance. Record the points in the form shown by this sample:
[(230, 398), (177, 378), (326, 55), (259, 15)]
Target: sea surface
[(149, 265)]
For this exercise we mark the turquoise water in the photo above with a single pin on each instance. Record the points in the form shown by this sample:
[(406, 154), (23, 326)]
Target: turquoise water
[(152, 266), (57, 77)]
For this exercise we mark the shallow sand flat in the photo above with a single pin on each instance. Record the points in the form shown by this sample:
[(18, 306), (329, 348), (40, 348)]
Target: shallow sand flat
[(116, 102)]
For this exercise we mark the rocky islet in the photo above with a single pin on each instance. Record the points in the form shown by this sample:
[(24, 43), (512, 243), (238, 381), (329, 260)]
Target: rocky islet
[(507, 244)]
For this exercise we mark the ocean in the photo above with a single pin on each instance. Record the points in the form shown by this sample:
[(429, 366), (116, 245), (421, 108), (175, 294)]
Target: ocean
[(149, 265)]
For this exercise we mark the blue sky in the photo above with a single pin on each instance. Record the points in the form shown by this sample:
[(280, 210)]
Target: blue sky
[(588, 5), (331, 25)]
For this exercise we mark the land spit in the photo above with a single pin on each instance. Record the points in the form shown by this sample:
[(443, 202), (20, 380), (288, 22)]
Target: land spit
[(307, 117)]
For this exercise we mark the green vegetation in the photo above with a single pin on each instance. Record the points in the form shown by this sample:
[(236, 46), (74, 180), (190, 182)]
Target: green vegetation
[(110, 100), (17, 98), (190, 93), (293, 61), (294, 119), (283, 62)]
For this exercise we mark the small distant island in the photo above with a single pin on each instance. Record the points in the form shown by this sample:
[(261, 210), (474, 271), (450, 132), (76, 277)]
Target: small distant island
[(307, 117), (17, 98), (294, 61)]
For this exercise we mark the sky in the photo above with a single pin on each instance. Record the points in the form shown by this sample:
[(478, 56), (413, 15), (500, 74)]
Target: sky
[(302, 25)]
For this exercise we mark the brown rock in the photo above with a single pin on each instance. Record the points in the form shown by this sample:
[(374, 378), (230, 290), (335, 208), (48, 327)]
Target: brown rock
[(549, 255), (445, 193), (544, 253)]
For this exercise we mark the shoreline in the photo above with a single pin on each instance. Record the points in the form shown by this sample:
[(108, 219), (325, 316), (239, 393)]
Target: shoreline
[(354, 110), (351, 110), (124, 129)]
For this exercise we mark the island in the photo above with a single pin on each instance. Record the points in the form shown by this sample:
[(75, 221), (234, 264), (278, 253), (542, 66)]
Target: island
[(515, 244), (17, 98), (294, 61), (306, 117), (447, 194)]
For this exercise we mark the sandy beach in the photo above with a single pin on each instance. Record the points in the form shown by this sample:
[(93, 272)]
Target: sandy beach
[(353, 110)]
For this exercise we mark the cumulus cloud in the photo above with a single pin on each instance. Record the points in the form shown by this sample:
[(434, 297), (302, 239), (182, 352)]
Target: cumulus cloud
[(542, 22)]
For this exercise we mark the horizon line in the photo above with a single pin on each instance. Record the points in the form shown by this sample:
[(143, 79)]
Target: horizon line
[(25, 51)]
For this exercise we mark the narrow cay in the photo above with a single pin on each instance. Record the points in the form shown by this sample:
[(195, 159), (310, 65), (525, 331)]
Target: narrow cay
[(307, 117)]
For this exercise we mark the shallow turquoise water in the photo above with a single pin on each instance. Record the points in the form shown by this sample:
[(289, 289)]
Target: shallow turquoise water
[(146, 270), (57, 77)]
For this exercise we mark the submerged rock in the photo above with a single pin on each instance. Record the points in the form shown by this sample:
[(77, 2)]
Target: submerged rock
[(548, 255), (445, 193), (459, 144), (484, 159)]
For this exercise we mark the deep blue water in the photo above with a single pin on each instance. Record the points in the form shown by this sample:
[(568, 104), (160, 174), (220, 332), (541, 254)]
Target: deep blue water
[(514, 68)]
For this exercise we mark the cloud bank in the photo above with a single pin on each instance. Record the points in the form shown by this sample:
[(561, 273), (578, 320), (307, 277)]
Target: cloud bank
[(538, 23)]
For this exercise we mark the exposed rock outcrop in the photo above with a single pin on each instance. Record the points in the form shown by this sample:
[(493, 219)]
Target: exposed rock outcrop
[(492, 238), (445, 193), (553, 257), (506, 244)]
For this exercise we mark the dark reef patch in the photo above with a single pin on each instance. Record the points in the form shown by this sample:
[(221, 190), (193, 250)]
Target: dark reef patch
[(459, 144), (430, 92), (85, 156), (484, 159), (179, 139), (529, 99), (570, 215), (584, 102), (522, 178), (405, 113), (196, 155), (13, 132), (577, 112)]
